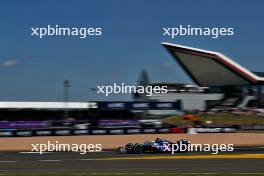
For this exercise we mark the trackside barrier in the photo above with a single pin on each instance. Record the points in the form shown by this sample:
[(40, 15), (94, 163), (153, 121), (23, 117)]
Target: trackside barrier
[(109, 131), (72, 132), (178, 130)]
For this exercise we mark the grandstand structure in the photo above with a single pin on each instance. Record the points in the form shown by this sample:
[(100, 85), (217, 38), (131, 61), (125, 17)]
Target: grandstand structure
[(219, 81), (239, 86)]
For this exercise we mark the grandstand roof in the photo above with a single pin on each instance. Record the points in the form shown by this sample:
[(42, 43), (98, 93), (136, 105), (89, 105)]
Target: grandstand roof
[(209, 68)]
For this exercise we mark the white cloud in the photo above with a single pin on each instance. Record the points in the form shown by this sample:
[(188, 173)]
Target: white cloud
[(10, 63)]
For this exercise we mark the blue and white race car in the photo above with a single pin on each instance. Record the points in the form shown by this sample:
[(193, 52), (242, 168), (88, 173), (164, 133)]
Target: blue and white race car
[(157, 146)]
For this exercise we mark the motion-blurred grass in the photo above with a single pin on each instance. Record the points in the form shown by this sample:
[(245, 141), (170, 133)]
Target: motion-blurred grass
[(225, 119)]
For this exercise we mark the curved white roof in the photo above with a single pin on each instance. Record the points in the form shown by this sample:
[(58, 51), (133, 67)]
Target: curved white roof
[(209, 68)]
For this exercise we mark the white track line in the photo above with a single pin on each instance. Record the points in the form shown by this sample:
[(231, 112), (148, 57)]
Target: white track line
[(8, 161), (87, 159), (33, 152), (50, 160), (60, 152)]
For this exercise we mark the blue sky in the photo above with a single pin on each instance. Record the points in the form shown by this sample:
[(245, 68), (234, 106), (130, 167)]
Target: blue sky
[(33, 69)]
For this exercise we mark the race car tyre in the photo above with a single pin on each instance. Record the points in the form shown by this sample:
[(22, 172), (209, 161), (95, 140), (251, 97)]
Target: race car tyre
[(138, 148)]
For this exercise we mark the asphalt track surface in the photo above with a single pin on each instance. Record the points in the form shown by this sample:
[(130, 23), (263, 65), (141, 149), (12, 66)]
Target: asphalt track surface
[(243, 160)]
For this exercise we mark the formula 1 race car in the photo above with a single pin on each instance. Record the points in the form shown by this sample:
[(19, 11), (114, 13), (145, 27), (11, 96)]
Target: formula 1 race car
[(157, 146)]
